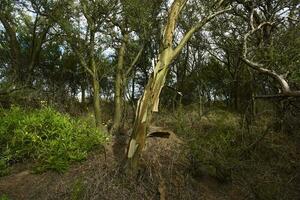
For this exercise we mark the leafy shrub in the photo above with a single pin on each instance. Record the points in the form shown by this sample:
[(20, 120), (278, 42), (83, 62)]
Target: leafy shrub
[(52, 140)]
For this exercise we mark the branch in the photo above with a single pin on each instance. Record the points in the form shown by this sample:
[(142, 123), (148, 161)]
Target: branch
[(285, 88), (80, 58), (175, 90), (195, 28), (292, 19), (273, 96), (137, 57), (7, 92), (11, 35), (83, 4), (83, 63), (173, 16)]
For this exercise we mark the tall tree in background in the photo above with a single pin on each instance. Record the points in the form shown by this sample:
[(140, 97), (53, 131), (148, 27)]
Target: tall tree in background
[(83, 23), (138, 21), (25, 37)]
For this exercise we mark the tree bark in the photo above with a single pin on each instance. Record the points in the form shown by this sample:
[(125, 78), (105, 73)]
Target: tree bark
[(83, 88), (119, 87), (149, 101), (96, 102)]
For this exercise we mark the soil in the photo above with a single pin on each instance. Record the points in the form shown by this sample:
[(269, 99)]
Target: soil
[(164, 174)]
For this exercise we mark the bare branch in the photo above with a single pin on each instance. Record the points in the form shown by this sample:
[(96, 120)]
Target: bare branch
[(292, 19), (251, 19), (137, 57), (285, 88)]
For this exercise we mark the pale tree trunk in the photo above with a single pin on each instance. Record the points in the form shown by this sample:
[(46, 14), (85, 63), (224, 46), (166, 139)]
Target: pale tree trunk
[(149, 101), (147, 104), (119, 87)]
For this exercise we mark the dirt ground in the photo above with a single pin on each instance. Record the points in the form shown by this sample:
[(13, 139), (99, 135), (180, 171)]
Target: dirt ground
[(164, 175)]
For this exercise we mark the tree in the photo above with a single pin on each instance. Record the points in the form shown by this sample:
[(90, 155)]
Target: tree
[(25, 38), (128, 24), (149, 101), (84, 38), (257, 24)]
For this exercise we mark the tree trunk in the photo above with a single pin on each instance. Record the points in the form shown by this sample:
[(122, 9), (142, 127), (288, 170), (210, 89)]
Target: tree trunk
[(96, 101), (83, 94), (133, 86), (147, 104), (95, 78), (119, 87), (149, 101)]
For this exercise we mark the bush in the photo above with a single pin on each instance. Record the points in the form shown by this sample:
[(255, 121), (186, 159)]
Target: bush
[(48, 138)]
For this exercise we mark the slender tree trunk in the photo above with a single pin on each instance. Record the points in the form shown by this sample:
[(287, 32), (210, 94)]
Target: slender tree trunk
[(95, 79), (83, 94), (96, 101), (148, 103), (119, 87), (133, 86)]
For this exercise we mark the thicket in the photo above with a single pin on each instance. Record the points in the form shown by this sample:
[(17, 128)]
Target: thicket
[(46, 137), (258, 158)]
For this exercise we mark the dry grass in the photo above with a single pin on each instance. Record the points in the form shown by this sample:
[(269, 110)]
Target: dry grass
[(163, 175)]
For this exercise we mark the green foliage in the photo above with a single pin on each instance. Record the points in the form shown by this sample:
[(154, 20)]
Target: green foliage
[(216, 147), (4, 197), (259, 161), (211, 140), (50, 139)]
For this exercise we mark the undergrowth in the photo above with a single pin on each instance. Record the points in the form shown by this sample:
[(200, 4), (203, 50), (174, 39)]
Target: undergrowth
[(46, 137), (259, 161), (4, 197)]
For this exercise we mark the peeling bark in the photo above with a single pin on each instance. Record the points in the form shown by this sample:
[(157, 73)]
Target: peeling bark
[(149, 101)]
